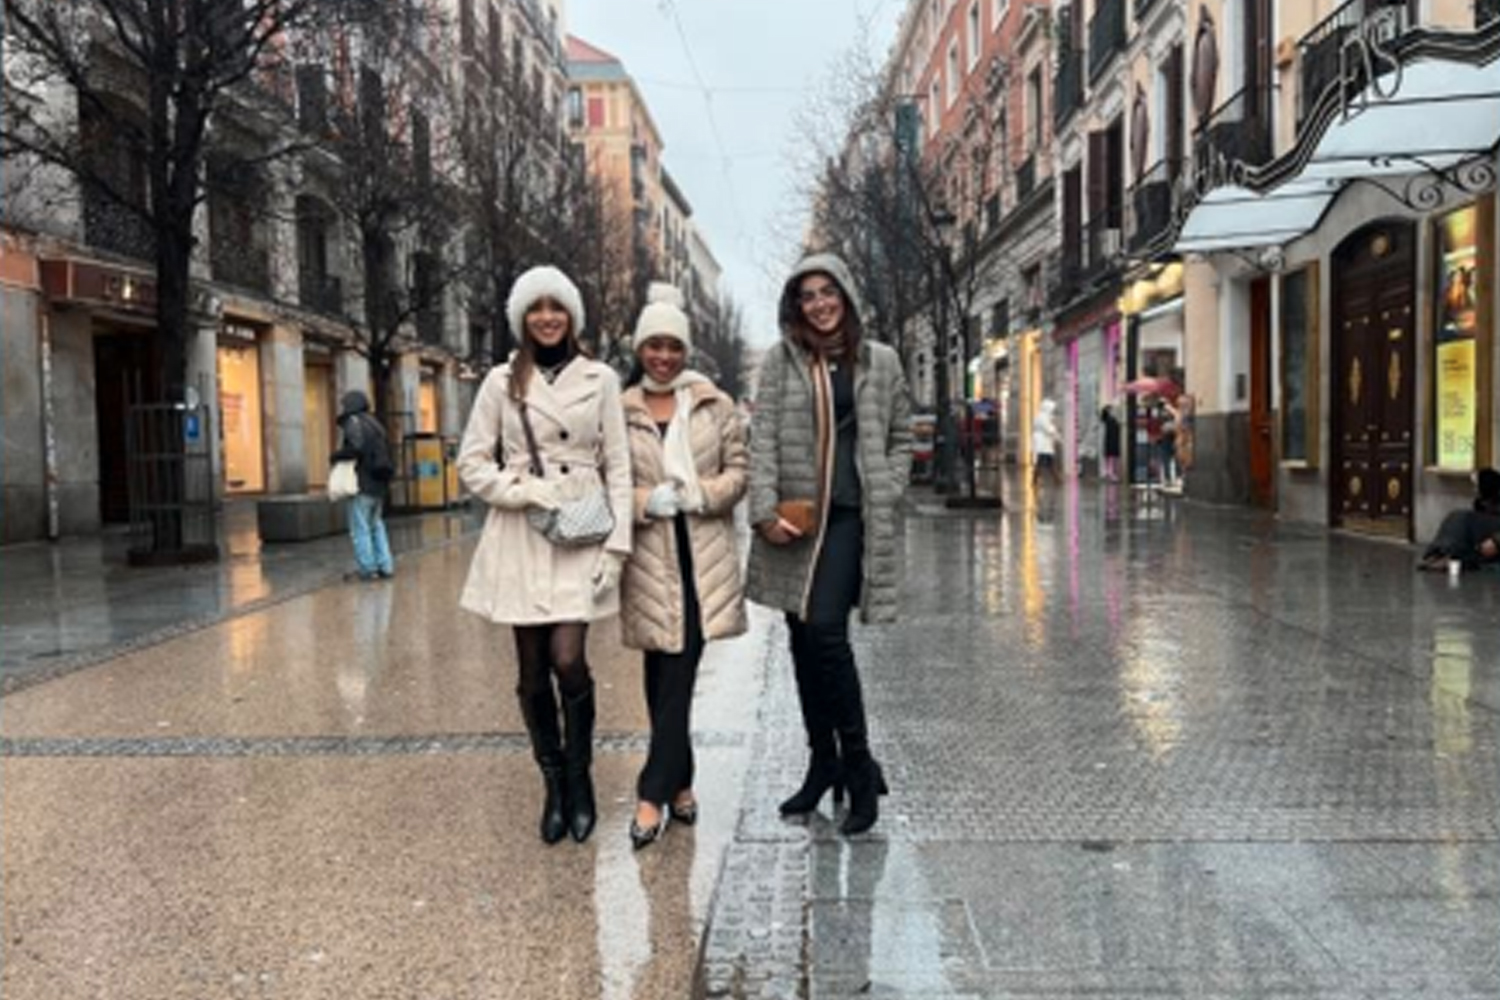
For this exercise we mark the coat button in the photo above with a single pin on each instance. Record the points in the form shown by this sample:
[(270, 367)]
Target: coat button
[(563, 435), (563, 469)]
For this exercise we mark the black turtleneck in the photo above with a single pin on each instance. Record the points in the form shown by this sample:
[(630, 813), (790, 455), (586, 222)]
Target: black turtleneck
[(552, 360)]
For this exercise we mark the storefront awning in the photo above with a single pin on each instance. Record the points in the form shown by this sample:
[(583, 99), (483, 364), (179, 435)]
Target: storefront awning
[(1432, 124)]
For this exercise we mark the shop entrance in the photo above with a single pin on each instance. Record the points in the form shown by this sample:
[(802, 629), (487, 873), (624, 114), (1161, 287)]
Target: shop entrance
[(1262, 452), (1373, 379), (127, 371)]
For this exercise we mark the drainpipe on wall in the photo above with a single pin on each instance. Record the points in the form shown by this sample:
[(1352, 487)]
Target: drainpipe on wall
[(49, 428)]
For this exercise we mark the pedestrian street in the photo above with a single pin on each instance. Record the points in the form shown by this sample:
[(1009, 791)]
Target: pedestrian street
[(1136, 747)]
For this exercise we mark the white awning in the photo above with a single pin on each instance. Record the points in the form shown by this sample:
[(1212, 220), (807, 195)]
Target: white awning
[(1443, 114)]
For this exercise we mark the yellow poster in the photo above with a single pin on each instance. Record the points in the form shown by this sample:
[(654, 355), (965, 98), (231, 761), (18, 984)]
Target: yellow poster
[(1456, 404)]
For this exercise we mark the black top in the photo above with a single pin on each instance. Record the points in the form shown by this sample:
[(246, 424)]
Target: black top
[(846, 490)]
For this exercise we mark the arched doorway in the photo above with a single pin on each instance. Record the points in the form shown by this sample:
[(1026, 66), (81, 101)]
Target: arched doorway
[(1374, 379)]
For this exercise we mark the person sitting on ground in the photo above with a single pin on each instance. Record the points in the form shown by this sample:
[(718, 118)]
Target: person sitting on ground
[(1470, 536)]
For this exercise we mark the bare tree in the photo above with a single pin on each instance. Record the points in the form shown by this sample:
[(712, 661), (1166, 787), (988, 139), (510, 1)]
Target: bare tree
[(720, 344), (139, 165), (393, 153)]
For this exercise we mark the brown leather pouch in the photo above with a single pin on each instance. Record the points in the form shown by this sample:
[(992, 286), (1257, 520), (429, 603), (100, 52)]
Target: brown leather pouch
[(800, 514)]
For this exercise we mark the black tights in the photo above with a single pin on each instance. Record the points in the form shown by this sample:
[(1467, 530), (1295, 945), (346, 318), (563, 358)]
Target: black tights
[(547, 650)]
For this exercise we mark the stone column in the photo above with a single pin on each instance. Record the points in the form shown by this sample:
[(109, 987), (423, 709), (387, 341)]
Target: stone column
[(203, 377), (282, 388)]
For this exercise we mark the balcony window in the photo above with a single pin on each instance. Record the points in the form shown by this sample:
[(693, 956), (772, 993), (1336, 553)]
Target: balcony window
[(317, 288), (237, 247), (117, 193), (975, 39), (1106, 35)]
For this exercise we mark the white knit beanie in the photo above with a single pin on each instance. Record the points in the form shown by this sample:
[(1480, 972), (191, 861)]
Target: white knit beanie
[(663, 317), (543, 282)]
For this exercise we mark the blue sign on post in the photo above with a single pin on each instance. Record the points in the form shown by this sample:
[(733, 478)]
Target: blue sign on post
[(190, 428)]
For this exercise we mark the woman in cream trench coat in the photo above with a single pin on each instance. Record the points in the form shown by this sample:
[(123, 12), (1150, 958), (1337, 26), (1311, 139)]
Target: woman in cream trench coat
[(549, 593)]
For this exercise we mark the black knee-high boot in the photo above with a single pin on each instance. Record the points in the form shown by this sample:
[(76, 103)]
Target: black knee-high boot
[(823, 771), (578, 717), (861, 772), (540, 712)]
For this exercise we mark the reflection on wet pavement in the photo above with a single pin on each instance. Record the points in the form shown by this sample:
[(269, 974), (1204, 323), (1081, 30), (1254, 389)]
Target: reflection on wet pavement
[(1141, 747)]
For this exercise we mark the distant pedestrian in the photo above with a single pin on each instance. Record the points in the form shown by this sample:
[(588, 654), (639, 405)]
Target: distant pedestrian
[(552, 400), (1111, 444), (365, 444), (1044, 440), (830, 455), (682, 585)]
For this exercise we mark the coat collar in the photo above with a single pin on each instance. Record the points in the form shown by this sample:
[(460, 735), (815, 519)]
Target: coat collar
[(579, 380), (634, 400)]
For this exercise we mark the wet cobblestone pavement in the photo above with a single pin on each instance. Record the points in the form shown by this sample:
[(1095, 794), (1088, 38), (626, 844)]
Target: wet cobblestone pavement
[(1142, 751), (1135, 749)]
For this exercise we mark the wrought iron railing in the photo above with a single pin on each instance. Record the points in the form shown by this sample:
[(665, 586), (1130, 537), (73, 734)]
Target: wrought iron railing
[(1067, 90), (1026, 178), (1321, 49), (322, 293), (1143, 7), (1486, 12), (1106, 35), (108, 225), (1236, 132), (1150, 204), (237, 264)]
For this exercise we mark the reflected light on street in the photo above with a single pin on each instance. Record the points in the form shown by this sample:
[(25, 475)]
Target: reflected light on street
[(1452, 681), (1151, 687)]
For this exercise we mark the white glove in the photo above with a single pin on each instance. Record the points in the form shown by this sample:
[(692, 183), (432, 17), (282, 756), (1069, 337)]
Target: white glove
[(607, 574), (664, 501), (530, 491)]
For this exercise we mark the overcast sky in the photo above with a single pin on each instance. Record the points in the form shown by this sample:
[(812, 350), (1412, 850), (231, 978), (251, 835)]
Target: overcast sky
[(728, 147)]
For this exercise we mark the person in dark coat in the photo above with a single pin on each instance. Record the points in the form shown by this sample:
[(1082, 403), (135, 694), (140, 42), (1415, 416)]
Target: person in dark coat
[(365, 443), (1471, 536), (1111, 426)]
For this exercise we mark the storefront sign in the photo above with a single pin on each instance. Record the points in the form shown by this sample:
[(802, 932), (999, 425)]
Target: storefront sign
[(1457, 393)]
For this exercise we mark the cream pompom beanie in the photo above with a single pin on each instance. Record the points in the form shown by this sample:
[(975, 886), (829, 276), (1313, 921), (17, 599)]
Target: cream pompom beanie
[(663, 317)]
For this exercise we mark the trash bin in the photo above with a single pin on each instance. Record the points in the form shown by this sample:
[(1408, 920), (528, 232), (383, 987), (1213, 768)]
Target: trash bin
[(427, 472)]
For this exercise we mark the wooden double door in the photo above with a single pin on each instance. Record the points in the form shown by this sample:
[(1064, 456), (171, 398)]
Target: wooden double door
[(1374, 380)]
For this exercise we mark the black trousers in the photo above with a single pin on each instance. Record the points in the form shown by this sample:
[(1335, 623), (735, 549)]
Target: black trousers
[(670, 678), (828, 683)]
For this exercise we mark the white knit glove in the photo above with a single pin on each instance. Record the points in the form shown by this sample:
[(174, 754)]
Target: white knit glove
[(607, 574), (530, 491), (664, 501)]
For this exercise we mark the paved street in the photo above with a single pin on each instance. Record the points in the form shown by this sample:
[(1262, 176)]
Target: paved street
[(1136, 749)]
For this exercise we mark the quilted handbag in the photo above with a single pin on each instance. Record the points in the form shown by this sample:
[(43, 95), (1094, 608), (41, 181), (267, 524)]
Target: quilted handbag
[(576, 522)]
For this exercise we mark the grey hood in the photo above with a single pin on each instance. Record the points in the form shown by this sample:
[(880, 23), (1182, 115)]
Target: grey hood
[(790, 310), (354, 401)]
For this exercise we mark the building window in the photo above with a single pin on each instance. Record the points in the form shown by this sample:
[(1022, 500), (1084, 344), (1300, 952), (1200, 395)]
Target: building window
[(1002, 7), (935, 102), (1299, 368), (1034, 110), (974, 34), (1465, 305), (575, 107), (953, 77), (596, 112)]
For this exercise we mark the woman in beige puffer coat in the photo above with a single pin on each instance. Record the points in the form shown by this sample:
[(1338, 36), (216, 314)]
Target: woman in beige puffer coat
[(682, 585)]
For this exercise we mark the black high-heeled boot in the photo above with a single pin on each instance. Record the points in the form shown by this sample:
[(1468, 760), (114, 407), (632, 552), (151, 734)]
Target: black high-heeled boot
[(578, 718), (866, 785), (823, 771), (540, 712)]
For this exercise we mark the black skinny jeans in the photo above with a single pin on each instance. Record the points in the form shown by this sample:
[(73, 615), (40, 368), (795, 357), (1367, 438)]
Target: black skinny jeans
[(670, 678)]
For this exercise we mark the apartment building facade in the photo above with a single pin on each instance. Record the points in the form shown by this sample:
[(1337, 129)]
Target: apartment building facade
[(975, 76), (1339, 233), (280, 325)]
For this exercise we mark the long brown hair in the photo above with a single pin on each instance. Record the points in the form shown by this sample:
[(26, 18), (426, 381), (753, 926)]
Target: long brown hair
[(789, 312), (524, 362)]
